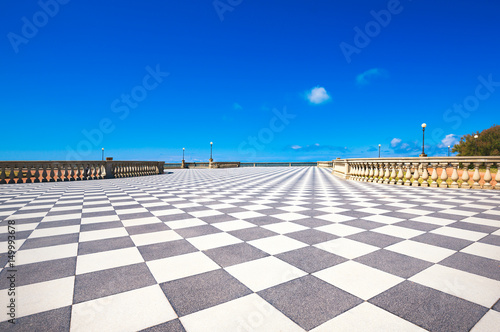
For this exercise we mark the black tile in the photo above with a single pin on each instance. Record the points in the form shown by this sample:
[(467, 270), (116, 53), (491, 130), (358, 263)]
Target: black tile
[(191, 294), (311, 236), (91, 247), (174, 217), (418, 225), (148, 228), (429, 308), (128, 216), (59, 223), (50, 241), (485, 267), (310, 259), (234, 254), (94, 285), (365, 224), (217, 218), (375, 239), (253, 233), (53, 320), (309, 301), (38, 272), (394, 263), (474, 227), (166, 249), (197, 231), (100, 225), (442, 241), (491, 239)]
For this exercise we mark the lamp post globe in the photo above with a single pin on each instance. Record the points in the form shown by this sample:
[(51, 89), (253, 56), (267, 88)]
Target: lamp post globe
[(475, 141), (102, 154), (379, 150), (448, 150), (423, 140)]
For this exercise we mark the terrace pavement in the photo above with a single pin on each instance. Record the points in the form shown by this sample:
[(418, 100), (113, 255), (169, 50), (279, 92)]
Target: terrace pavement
[(250, 249)]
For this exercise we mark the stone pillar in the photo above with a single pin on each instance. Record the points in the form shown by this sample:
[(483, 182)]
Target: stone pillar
[(434, 175), (476, 177), (393, 174), (109, 169), (425, 174), (408, 174), (444, 176), (497, 177), (454, 176), (487, 177), (416, 175), (400, 174), (465, 176)]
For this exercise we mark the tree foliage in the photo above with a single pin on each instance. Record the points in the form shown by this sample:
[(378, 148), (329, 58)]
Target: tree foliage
[(487, 143)]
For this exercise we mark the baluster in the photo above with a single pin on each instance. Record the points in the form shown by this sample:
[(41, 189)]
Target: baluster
[(366, 173), (44, 173), (79, 169), (370, 178), (416, 175), (28, 173), (375, 173), (393, 174), (52, 173), (11, 174), (387, 173), (37, 173), (71, 172), (400, 174), (454, 176), (2, 175), (425, 175), (19, 175), (434, 175), (408, 174), (444, 175), (381, 173), (61, 172), (497, 177), (487, 177), (465, 176), (476, 177)]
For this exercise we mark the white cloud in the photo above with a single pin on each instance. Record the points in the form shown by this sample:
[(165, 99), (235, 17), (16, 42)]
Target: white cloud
[(237, 107), (365, 77), (296, 147), (395, 141), (404, 145), (318, 95), (449, 140)]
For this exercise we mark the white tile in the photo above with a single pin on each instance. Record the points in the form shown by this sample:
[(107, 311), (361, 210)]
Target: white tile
[(397, 231), (43, 296), (289, 216), (459, 212), (489, 322), (97, 209), (185, 205), (248, 313), (246, 215), (340, 229), (42, 254), (375, 210), (468, 286), (140, 221), (176, 267), (19, 227), (210, 241), (275, 271), (95, 220), (415, 211), (65, 208), (255, 207), (184, 223), (483, 250), (332, 210), (28, 215), (482, 221), (434, 220), (383, 219), (347, 248), (102, 234), (233, 225), (419, 250), (205, 213), (129, 311), (459, 233), (60, 217), (35, 207), (285, 227), (493, 212), (363, 281), (131, 211), (155, 237), (334, 217), (293, 208), (43, 232), (107, 260), (277, 244), (368, 318), (220, 206)]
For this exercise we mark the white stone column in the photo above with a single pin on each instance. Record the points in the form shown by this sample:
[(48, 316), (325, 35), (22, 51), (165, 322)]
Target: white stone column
[(465, 176), (444, 176), (408, 174), (393, 174), (425, 174), (434, 175), (476, 177), (487, 177), (416, 175), (454, 176)]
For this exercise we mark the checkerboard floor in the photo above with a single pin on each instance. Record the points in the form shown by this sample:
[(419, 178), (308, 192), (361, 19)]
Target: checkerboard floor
[(251, 249)]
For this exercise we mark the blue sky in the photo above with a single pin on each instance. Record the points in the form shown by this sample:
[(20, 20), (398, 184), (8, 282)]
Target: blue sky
[(264, 80)]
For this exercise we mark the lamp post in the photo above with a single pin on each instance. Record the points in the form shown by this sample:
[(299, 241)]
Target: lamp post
[(379, 150), (102, 154), (211, 143), (475, 140), (183, 153), (423, 140), (183, 165), (448, 150)]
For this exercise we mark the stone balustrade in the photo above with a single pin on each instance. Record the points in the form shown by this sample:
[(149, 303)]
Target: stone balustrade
[(453, 172), (52, 171), (327, 164)]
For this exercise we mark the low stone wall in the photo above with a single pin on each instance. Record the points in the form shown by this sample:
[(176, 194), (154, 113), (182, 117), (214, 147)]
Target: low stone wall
[(422, 171), (53, 171)]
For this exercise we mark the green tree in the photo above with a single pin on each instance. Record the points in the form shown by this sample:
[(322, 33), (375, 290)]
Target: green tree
[(487, 143)]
